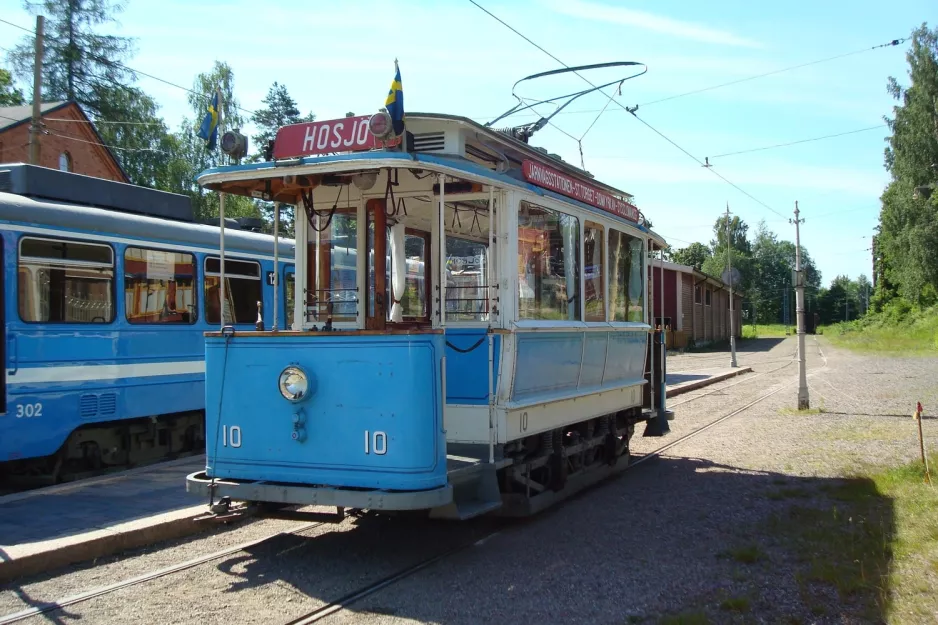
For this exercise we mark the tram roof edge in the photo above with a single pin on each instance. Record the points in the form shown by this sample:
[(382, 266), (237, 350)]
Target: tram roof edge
[(227, 178)]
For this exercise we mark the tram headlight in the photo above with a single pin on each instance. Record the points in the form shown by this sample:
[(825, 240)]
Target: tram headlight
[(294, 383)]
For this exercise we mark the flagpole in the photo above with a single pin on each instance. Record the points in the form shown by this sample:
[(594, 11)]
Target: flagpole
[(221, 224)]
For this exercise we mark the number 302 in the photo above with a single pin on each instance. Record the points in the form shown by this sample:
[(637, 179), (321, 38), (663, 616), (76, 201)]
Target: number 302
[(28, 410)]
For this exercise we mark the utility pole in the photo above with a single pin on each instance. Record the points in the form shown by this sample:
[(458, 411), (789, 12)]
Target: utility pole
[(729, 275), (803, 400), (35, 127)]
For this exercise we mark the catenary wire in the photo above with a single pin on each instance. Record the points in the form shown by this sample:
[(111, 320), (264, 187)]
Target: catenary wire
[(782, 145), (629, 110)]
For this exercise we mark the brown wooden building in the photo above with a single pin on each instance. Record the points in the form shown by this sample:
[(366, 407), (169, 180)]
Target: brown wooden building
[(696, 306), (69, 141)]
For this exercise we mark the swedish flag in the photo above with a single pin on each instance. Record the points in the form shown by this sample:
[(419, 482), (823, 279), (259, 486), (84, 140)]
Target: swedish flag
[(209, 128), (395, 102)]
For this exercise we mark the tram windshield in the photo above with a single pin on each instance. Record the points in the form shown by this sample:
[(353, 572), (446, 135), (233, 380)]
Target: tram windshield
[(359, 278)]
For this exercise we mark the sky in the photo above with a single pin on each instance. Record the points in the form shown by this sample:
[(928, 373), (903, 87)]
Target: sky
[(336, 57)]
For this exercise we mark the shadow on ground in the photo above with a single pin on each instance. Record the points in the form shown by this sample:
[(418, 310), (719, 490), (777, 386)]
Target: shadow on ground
[(679, 537), (672, 541)]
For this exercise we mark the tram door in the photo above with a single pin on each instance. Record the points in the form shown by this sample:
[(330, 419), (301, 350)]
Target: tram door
[(3, 336)]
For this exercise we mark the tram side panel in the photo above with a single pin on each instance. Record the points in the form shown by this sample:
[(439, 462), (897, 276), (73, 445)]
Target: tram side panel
[(371, 418)]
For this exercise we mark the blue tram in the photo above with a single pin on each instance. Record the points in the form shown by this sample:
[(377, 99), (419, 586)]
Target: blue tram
[(108, 289), (489, 349)]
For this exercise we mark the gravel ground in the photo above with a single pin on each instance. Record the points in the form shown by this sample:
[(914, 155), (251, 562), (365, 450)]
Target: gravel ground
[(651, 542)]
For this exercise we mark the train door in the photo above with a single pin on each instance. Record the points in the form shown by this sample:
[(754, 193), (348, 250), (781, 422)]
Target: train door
[(3, 334)]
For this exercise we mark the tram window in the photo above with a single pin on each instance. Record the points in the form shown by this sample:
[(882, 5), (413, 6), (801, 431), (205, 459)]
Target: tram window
[(242, 290), (467, 266), (65, 281), (594, 298), (407, 290), (335, 293), (159, 286), (626, 280), (289, 295), (548, 268)]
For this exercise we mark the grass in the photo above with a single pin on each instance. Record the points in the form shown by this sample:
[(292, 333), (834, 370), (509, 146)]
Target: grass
[(874, 539), (735, 604), (747, 554), (899, 329), (762, 331), (686, 618), (794, 411)]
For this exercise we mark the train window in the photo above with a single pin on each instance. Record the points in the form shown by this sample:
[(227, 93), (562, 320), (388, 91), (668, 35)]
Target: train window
[(65, 281), (548, 268), (242, 290), (626, 280), (289, 293), (408, 252), (594, 298), (467, 266), (335, 293), (159, 286)]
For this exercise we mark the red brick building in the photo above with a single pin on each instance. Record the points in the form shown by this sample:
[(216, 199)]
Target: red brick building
[(696, 306), (69, 141)]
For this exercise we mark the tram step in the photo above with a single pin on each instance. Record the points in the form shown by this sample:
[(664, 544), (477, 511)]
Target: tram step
[(474, 494)]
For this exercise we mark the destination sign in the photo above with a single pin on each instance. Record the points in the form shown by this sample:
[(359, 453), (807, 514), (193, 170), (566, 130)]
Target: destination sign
[(348, 134), (550, 178)]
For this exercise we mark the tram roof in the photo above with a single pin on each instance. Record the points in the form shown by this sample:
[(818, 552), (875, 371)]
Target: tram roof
[(448, 144)]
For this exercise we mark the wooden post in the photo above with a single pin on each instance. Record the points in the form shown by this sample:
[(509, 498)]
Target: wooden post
[(36, 127), (921, 440)]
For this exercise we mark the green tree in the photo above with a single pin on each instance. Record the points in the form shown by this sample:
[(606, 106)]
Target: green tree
[(147, 149), (770, 275), (839, 302), (77, 61), (694, 255), (193, 154), (738, 235), (9, 95), (86, 67), (279, 110), (907, 243), (864, 293)]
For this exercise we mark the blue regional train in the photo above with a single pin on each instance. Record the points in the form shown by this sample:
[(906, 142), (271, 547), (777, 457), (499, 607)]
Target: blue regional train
[(107, 292), (415, 382)]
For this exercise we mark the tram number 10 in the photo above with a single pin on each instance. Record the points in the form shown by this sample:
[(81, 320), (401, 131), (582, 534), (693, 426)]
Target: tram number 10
[(231, 437), (376, 442)]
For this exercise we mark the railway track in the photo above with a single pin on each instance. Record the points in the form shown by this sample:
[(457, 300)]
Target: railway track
[(370, 589)]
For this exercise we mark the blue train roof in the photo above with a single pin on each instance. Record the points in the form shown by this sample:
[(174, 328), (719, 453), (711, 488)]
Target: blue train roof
[(52, 184), (32, 212)]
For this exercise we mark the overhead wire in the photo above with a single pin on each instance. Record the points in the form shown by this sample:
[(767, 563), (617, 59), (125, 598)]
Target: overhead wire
[(783, 145), (129, 69), (630, 110)]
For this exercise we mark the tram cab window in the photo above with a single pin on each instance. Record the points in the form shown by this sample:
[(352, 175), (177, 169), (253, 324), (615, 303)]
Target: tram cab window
[(594, 298), (626, 277), (467, 265), (242, 290), (158, 286), (65, 281), (335, 270), (548, 267)]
